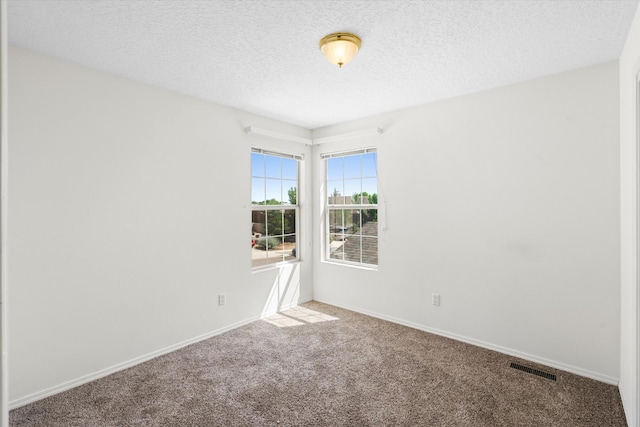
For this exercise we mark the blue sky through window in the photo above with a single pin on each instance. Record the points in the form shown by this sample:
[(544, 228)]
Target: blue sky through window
[(349, 175), (272, 177)]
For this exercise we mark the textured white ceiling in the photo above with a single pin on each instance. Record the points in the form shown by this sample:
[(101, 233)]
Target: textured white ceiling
[(262, 56)]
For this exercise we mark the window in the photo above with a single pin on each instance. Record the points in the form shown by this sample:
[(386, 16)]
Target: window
[(351, 214), (274, 208)]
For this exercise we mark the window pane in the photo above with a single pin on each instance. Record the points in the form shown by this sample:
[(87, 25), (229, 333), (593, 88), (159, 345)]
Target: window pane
[(258, 225), (354, 222), (260, 252), (335, 192), (344, 222), (266, 251), (257, 164), (274, 192), (369, 168), (370, 186), (337, 237), (274, 169), (336, 221), (370, 222), (336, 243), (352, 167), (290, 192), (352, 187), (289, 222), (274, 223), (334, 168), (290, 250), (257, 191), (347, 222), (352, 248), (274, 254), (290, 169), (370, 250)]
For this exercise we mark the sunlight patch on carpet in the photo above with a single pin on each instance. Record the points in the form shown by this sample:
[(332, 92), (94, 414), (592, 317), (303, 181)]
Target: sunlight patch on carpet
[(297, 316)]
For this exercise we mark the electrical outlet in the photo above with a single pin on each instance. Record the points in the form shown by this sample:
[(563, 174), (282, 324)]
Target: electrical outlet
[(222, 299), (435, 299)]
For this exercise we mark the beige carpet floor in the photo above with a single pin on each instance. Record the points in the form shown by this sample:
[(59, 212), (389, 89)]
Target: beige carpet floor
[(318, 365)]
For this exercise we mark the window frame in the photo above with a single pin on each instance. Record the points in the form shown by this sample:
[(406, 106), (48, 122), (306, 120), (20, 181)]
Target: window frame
[(327, 208), (279, 207)]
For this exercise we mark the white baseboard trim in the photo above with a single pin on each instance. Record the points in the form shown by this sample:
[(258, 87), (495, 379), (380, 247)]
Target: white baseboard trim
[(508, 351), (137, 360)]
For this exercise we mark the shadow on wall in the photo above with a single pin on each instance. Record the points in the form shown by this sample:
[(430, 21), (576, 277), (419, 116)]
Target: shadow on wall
[(285, 290)]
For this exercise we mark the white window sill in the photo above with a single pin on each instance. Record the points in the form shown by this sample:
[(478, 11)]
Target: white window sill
[(346, 264), (275, 266)]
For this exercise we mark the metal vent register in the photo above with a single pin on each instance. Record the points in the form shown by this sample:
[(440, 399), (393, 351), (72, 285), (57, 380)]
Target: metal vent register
[(534, 371)]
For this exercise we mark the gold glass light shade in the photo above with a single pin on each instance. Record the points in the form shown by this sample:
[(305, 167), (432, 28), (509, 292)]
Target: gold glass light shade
[(340, 48)]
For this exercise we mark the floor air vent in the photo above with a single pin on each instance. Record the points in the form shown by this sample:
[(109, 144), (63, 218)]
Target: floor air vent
[(534, 371)]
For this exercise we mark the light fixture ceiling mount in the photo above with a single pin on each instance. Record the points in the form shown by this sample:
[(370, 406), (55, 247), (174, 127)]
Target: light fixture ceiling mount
[(340, 48)]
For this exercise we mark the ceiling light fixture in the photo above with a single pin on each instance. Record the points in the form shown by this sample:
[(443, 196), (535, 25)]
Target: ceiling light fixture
[(340, 48)]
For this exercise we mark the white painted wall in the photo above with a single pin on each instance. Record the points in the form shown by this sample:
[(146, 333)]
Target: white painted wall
[(629, 115), (127, 203), (505, 202)]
